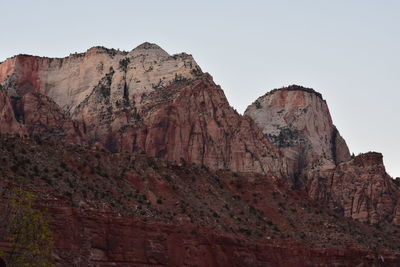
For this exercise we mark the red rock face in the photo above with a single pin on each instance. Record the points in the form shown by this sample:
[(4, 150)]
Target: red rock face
[(42, 117), (6, 69), (8, 122), (108, 241), (193, 121), (35, 114), (27, 70), (361, 188)]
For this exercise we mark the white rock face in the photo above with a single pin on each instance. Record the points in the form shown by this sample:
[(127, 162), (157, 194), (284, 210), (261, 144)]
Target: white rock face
[(297, 120), (142, 101), (151, 67), (69, 81)]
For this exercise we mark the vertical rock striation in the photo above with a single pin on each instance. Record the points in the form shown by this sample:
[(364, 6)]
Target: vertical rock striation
[(145, 100)]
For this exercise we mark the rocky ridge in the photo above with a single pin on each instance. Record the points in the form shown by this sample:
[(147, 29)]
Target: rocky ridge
[(144, 100)]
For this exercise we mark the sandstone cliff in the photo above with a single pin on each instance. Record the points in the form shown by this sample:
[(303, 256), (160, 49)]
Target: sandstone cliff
[(8, 122), (360, 189), (144, 100), (69, 81), (297, 120)]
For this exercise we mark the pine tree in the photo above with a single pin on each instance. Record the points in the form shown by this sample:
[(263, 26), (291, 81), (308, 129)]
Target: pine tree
[(29, 234)]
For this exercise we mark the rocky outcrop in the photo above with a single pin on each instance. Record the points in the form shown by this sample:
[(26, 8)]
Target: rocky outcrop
[(360, 189), (37, 115), (193, 121), (297, 120), (43, 118), (8, 122)]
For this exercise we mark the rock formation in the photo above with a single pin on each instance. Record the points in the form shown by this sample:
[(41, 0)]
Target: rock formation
[(8, 122), (144, 100), (360, 189), (69, 81), (297, 120), (167, 173)]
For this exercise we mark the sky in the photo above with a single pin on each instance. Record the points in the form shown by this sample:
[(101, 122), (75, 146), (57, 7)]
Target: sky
[(348, 50)]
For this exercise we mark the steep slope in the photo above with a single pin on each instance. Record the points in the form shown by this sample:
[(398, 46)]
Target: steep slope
[(144, 100), (133, 210), (8, 122), (360, 189), (193, 120)]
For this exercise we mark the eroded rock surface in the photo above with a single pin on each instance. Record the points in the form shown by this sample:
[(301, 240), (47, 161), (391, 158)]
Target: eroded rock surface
[(360, 188), (297, 120), (144, 100), (8, 121)]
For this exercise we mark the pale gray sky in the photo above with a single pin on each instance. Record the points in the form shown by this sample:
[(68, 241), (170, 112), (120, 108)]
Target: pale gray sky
[(346, 49)]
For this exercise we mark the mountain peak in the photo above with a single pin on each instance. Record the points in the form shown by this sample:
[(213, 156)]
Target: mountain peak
[(301, 125), (147, 49), (147, 45), (101, 49), (295, 87)]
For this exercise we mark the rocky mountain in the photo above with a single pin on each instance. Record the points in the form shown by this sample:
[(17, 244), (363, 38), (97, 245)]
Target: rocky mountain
[(297, 120), (144, 100), (140, 160)]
